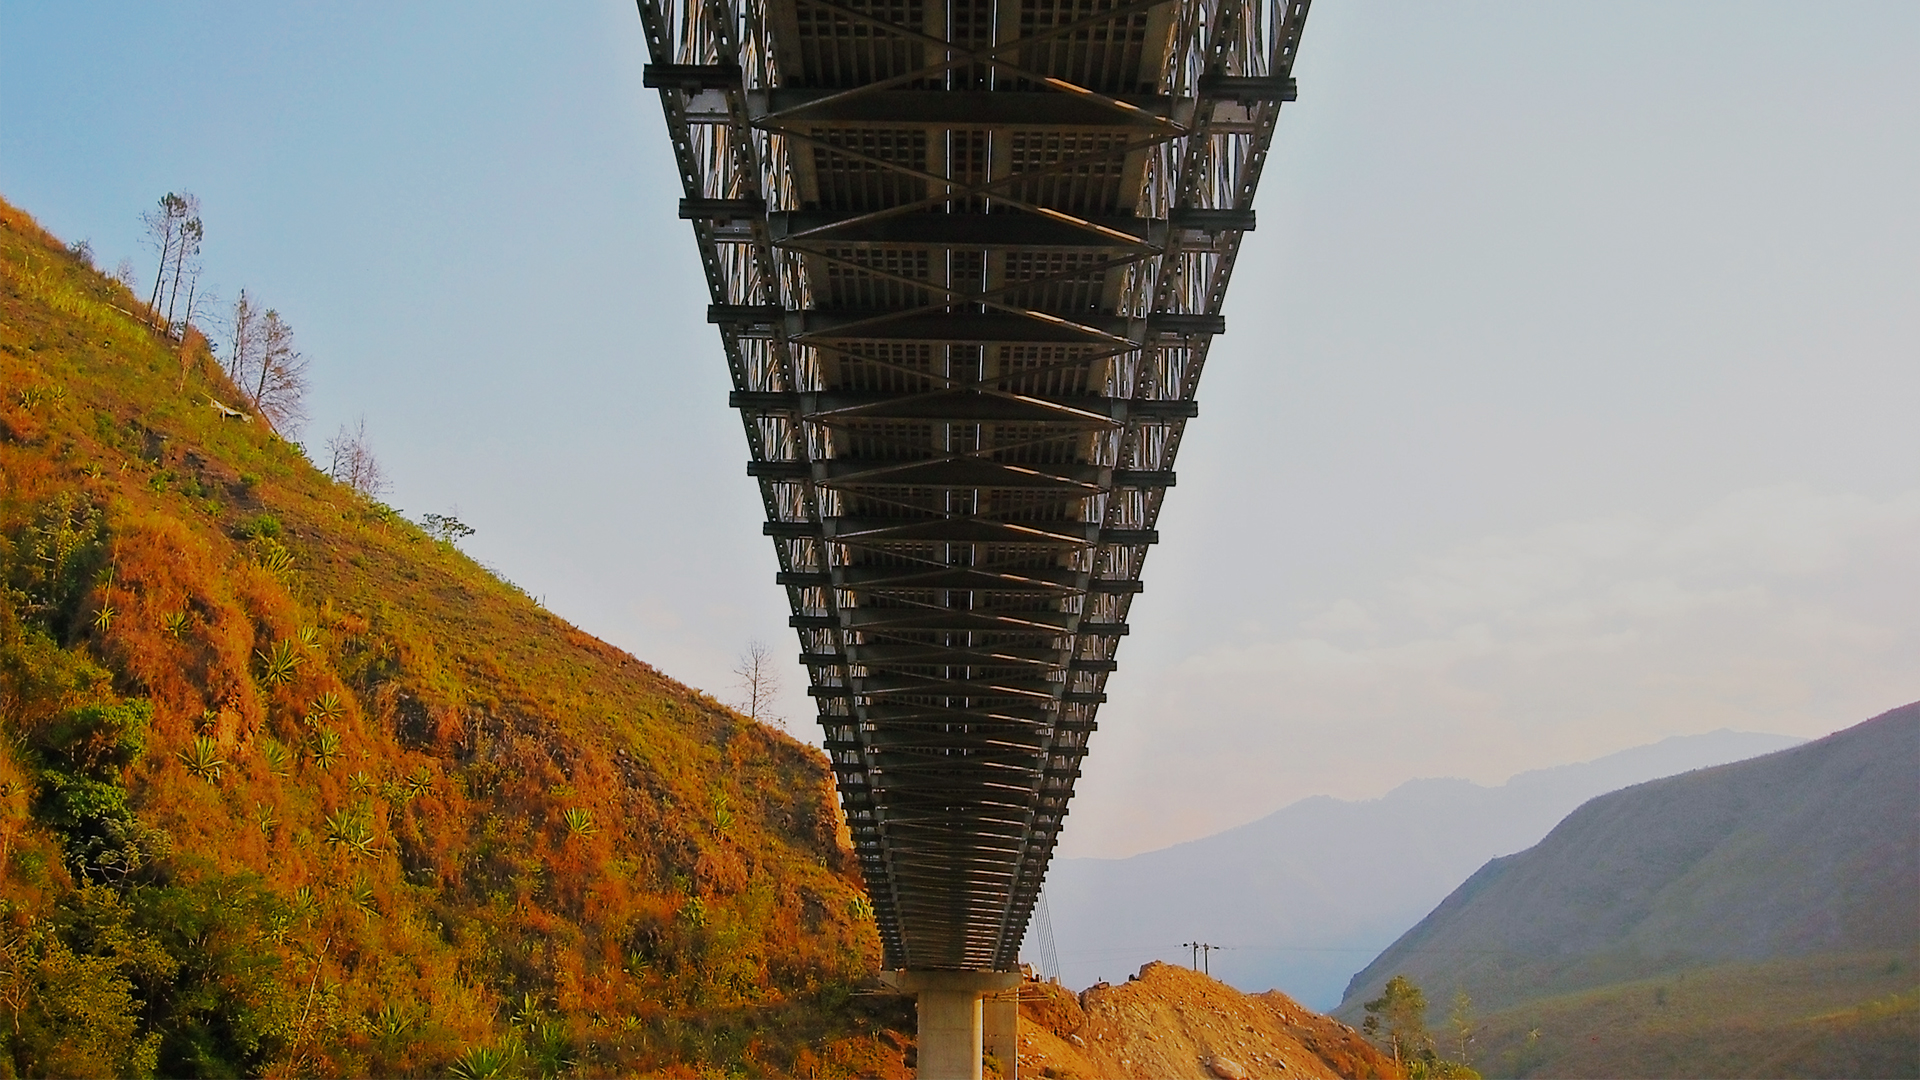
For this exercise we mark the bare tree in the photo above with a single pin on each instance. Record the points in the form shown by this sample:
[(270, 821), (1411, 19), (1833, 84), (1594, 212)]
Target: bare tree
[(186, 263), (124, 274), (194, 344), (279, 379), (759, 683), (164, 223), (243, 341), (352, 462)]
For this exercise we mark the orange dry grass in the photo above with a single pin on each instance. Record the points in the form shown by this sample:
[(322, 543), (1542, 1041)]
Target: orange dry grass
[(470, 723)]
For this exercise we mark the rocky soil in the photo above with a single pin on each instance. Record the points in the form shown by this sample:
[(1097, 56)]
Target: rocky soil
[(1169, 1023)]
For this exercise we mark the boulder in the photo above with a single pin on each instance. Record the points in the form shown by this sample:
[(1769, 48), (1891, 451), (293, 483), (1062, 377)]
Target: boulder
[(1226, 1068)]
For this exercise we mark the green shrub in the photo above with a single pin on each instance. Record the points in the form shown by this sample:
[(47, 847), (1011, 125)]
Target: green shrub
[(96, 741), (58, 557), (261, 526)]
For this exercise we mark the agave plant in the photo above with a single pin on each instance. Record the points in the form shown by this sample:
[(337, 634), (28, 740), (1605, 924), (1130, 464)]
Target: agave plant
[(278, 758), (360, 897), (392, 1023), (304, 906), (272, 556), (279, 664), (481, 1063), (103, 619), (174, 624), (325, 747), (419, 782), (265, 818), (360, 785), (326, 709), (579, 821), (203, 759), (550, 1048), (310, 638), (349, 831)]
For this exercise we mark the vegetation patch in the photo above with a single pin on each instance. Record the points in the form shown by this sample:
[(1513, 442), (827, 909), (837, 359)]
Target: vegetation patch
[(291, 786)]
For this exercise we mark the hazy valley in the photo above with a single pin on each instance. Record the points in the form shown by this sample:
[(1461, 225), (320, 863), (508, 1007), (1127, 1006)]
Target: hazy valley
[(1757, 919), (1302, 898)]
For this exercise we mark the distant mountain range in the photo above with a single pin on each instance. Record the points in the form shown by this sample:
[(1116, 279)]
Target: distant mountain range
[(1303, 897), (1760, 918)]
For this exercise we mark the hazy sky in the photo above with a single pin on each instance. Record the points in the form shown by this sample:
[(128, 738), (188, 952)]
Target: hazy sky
[(1571, 397)]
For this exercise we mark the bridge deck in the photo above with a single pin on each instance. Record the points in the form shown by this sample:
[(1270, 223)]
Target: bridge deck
[(966, 259)]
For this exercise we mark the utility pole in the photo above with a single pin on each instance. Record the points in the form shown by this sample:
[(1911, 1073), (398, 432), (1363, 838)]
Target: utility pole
[(1202, 952)]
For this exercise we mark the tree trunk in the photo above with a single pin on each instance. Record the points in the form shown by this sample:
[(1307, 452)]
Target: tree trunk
[(160, 275)]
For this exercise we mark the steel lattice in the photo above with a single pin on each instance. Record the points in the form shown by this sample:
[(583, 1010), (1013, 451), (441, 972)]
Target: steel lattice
[(966, 259)]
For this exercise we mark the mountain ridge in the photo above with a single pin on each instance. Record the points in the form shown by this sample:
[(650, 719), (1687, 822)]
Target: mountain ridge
[(1255, 885), (1722, 821), (1691, 921)]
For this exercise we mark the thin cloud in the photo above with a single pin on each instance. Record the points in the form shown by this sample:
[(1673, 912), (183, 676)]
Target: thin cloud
[(1779, 609)]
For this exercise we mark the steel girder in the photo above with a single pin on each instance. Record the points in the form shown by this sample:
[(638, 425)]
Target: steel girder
[(966, 258)]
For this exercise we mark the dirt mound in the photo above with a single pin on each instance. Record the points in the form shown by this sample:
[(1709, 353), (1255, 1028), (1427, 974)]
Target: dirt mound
[(1169, 1022)]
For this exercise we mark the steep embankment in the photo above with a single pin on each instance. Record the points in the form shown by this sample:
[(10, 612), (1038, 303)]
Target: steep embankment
[(1287, 892), (1170, 1023), (290, 786), (1782, 892)]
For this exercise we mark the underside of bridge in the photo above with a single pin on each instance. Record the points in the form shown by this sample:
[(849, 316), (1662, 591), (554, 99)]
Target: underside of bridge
[(966, 259)]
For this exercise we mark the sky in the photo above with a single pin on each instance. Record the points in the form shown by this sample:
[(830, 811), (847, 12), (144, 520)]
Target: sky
[(1568, 402)]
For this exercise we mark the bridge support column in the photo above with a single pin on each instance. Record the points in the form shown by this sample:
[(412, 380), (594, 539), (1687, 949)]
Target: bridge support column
[(1001, 1024), (951, 1017)]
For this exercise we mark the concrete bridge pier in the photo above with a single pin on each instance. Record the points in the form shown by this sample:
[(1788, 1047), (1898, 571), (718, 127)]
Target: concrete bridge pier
[(952, 1018), (1002, 1029)]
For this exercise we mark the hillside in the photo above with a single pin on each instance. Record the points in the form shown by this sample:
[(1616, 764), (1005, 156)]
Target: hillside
[(1294, 903), (289, 787), (1789, 885), (1856, 1015), (1171, 1023)]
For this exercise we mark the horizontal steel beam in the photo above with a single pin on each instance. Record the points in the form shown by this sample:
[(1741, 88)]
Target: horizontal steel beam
[(963, 406), (785, 108), (722, 209), (1072, 479), (691, 77), (1008, 229), (1249, 89), (956, 529), (974, 327)]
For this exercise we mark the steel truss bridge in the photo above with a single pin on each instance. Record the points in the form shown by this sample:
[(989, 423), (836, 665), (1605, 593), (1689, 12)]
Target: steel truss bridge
[(966, 259)]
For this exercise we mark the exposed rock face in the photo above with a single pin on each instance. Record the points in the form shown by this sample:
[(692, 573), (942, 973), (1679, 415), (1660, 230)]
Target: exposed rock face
[(1170, 1023), (1227, 1069)]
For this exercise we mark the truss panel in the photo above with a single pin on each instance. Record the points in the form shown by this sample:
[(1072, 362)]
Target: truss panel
[(966, 259)]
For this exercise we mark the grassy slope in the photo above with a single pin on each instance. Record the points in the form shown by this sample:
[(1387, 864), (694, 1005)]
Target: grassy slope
[(506, 833), (1768, 903), (1856, 1016)]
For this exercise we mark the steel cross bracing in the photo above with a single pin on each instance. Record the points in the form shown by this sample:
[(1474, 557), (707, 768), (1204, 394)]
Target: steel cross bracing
[(966, 258)]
